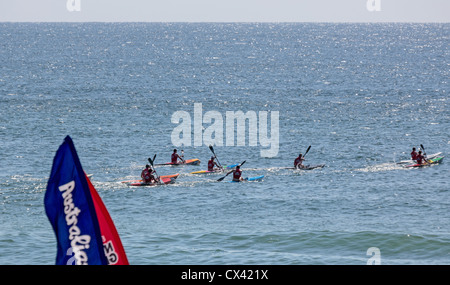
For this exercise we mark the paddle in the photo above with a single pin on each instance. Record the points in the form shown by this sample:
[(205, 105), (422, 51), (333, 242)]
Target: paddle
[(423, 149), (151, 162), (309, 147), (212, 149), (424, 154), (222, 178)]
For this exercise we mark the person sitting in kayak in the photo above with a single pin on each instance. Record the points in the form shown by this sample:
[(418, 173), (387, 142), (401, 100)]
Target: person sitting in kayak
[(175, 157), (420, 158), (237, 173), (298, 162), (212, 163), (147, 175), (414, 154)]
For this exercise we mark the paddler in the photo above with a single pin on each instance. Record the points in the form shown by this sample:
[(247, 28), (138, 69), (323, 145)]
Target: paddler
[(147, 174), (421, 158), (212, 163), (298, 162), (414, 154), (237, 173), (175, 157)]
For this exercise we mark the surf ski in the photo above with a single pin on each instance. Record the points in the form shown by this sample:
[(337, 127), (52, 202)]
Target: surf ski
[(306, 167), (165, 179), (194, 161), (250, 179), (429, 162), (226, 167), (309, 167), (410, 161)]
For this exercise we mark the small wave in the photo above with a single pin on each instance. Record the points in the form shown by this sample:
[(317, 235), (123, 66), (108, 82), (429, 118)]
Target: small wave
[(321, 247)]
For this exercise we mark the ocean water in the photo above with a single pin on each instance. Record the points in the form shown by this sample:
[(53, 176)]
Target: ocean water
[(362, 95)]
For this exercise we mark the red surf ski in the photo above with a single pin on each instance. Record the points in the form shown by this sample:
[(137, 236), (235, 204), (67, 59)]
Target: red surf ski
[(194, 161), (165, 179)]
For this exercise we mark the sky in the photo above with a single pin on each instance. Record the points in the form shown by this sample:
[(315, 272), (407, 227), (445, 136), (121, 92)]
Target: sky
[(225, 11)]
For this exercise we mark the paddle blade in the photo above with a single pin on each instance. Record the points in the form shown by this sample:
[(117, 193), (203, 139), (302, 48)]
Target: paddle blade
[(152, 160), (307, 150), (423, 149), (221, 178)]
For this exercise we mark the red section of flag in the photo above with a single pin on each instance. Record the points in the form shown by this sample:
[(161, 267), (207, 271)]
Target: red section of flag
[(112, 245)]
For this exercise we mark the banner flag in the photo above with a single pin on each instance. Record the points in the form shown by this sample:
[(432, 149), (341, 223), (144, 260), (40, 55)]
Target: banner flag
[(73, 207)]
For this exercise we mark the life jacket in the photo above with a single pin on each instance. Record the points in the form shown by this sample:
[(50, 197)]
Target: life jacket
[(174, 157), (211, 165), (146, 175), (420, 159), (297, 161), (237, 174)]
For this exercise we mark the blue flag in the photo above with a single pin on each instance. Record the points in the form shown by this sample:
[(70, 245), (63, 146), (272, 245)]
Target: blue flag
[(70, 209)]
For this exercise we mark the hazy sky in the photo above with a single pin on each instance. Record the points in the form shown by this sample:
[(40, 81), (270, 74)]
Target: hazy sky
[(225, 11)]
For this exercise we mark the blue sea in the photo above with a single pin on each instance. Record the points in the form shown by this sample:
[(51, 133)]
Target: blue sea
[(361, 95)]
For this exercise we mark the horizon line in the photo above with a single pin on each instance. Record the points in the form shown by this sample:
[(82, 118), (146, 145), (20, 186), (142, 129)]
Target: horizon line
[(241, 22)]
